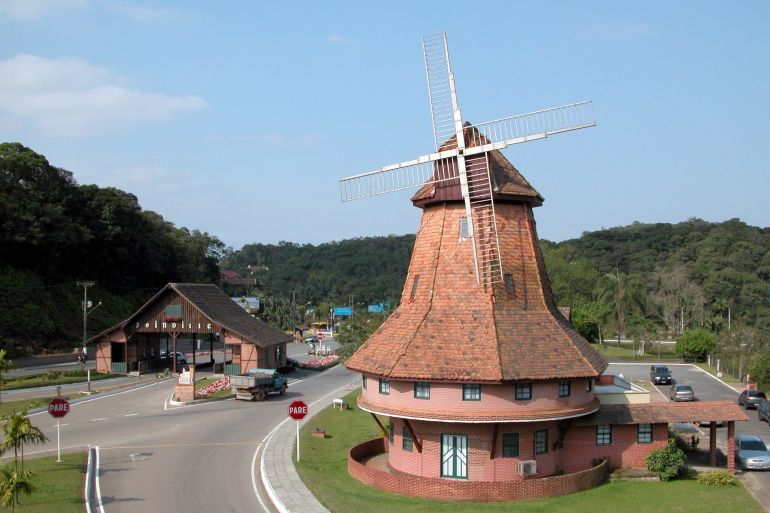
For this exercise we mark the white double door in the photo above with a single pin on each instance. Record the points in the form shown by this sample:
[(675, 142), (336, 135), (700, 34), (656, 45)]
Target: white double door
[(454, 456)]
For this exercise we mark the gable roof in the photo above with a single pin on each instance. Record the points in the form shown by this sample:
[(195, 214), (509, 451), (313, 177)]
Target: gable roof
[(219, 308), (657, 413)]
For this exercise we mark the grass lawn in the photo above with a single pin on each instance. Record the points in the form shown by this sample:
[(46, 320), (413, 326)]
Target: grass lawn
[(323, 468), (51, 378), (727, 378), (11, 406), (612, 351), (59, 485)]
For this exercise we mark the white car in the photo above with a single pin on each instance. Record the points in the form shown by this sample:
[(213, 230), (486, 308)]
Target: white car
[(181, 358)]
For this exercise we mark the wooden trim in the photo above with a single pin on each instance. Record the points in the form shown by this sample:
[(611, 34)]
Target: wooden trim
[(384, 431), (494, 441), (414, 436)]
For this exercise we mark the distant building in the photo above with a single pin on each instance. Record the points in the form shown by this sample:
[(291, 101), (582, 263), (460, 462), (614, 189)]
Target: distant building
[(230, 277), (250, 304)]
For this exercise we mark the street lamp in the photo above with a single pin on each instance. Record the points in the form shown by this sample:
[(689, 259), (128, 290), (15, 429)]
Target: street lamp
[(86, 312)]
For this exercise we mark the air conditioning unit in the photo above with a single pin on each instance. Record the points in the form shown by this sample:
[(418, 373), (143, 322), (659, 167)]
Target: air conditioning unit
[(528, 468)]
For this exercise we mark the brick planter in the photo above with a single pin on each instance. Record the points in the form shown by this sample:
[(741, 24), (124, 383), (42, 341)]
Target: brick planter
[(450, 489)]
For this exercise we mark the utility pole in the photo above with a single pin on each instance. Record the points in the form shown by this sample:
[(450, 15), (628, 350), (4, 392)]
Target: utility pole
[(85, 285)]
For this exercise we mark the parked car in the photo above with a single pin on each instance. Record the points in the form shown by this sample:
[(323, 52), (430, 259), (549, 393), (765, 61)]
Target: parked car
[(751, 398), (660, 375), (763, 411), (181, 358), (682, 393), (751, 453)]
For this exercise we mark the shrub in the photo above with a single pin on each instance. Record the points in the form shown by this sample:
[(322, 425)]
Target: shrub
[(667, 462), (717, 478)]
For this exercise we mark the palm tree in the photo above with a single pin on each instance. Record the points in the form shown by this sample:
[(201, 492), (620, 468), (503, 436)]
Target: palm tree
[(12, 482), (622, 293), (5, 366), (19, 431)]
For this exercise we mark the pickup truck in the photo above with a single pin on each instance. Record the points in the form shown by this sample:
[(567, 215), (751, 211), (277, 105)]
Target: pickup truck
[(257, 383)]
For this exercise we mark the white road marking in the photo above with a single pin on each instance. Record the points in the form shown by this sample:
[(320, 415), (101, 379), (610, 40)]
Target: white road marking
[(97, 420), (98, 487), (130, 414)]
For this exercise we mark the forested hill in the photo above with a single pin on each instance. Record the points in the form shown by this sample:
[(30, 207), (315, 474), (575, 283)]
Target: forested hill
[(641, 280), (54, 233)]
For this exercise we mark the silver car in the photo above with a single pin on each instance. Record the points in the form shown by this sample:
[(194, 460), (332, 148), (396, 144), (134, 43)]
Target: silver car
[(682, 393), (751, 453)]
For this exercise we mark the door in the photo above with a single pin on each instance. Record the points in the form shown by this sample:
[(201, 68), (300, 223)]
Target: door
[(454, 456)]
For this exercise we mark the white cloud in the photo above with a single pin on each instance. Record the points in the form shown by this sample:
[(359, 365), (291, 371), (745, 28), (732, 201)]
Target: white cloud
[(141, 13), (33, 9), (69, 96), (337, 39)]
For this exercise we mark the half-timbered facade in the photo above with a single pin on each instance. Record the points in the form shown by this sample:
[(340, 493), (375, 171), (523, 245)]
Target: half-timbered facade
[(202, 312)]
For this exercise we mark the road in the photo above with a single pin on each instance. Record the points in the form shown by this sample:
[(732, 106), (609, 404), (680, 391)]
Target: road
[(196, 458), (708, 388)]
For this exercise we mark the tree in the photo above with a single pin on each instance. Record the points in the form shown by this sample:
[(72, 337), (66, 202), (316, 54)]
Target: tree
[(695, 344), (760, 369), (18, 431), (588, 317), (5, 365), (623, 293), (355, 332), (14, 481)]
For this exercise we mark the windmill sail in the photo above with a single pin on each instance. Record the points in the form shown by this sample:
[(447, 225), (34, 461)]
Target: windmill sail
[(462, 154)]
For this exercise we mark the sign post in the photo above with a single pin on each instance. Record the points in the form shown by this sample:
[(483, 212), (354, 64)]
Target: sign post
[(58, 407), (297, 411)]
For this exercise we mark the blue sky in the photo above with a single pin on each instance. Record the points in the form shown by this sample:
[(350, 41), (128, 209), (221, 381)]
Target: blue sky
[(238, 118)]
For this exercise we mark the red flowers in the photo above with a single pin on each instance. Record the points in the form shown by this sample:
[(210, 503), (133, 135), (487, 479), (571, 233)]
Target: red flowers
[(222, 384), (321, 363)]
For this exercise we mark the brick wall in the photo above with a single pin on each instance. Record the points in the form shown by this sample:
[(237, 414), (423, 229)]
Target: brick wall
[(483, 463), (624, 451), (455, 489)]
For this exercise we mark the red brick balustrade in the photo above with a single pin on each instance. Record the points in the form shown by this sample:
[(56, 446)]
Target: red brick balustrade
[(452, 489)]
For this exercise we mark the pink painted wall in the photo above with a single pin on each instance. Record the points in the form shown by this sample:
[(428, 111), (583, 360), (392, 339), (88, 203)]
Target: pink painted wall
[(495, 399)]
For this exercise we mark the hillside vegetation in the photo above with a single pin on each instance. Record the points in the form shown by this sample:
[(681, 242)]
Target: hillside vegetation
[(645, 282)]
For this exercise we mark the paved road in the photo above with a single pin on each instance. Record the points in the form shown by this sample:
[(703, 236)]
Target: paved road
[(199, 458), (708, 388)]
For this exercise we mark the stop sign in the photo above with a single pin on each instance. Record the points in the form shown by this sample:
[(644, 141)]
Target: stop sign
[(58, 407), (319, 336), (298, 410)]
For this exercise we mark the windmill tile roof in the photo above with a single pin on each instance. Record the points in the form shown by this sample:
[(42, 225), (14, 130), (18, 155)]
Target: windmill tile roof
[(507, 182), (455, 330)]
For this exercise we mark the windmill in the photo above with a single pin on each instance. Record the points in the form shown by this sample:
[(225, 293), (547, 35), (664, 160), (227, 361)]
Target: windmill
[(462, 154)]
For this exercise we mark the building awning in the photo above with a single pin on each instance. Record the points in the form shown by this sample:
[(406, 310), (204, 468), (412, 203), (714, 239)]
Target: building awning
[(659, 413)]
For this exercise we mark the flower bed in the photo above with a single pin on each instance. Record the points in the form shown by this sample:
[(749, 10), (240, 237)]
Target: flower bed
[(320, 364), (212, 388)]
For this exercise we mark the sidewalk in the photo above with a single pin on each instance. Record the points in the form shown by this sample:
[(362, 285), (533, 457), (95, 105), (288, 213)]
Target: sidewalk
[(284, 486)]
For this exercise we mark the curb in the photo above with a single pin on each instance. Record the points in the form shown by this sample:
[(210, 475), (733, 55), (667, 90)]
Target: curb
[(200, 401)]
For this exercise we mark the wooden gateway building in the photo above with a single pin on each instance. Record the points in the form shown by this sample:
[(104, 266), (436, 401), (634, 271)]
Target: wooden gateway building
[(201, 314)]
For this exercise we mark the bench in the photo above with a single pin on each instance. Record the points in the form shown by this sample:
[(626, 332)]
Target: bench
[(338, 402)]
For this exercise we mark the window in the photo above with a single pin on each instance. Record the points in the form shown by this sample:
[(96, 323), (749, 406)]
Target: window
[(406, 439), (510, 445), (589, 385), (471, 392), (414, 287), (603, 434), (564, 389), (465, 231), (390, 432), (363, 381), (510, 289), (523, 391), (644, 433), (541, 441), (422, 390), (384, 386)]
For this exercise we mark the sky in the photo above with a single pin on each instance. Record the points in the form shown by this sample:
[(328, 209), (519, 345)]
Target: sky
[(238, 118)]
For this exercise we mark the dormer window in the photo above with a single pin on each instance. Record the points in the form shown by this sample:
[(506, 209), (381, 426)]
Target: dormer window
[(414, 287), (510, 289), (465, 230), (564, 389)]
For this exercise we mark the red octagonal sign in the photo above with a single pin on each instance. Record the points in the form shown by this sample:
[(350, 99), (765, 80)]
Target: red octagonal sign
[(298, 410), (58, 407)]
